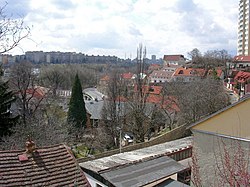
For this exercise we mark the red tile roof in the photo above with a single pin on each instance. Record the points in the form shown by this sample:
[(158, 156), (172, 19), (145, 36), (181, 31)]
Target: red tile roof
[(157, 99), (219, 72), (242, 76), (189, 72), (168, 104), (173, 57), (161, 74), (48, 166), (38, 92), (241, 58), (154, 67), (127, 75)]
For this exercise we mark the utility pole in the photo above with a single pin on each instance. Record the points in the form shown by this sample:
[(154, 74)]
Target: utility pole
[(120, 140)]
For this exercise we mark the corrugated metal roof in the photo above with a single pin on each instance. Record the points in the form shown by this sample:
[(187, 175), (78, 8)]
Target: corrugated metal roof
[(94, 108), (143, 172), (94, 93)]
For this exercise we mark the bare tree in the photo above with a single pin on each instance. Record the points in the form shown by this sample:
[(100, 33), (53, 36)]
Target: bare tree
[(198, 98), (98, 139), (112, 107), (47, 128), (210, 60), (52, 78), (140, 111), (231, 165), (23, 83), (12, 31)]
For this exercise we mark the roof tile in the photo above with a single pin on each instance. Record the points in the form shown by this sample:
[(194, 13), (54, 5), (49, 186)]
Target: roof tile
[(50, 166)]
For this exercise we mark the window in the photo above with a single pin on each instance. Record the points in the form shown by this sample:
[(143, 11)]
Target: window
[(181, 72), (98, 185)]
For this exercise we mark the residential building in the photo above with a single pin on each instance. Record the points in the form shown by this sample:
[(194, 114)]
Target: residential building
[(57, 57), (241, 62), (127, 79), (242, 79), (153, 67), (239, 82), (222, 144), (174, 59), (164, 74), (243, 28), (160, 76), (46, 166), (184, 74), (94, 101)]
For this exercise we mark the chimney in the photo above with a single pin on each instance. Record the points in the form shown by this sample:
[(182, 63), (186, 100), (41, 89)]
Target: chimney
[(30, 145)]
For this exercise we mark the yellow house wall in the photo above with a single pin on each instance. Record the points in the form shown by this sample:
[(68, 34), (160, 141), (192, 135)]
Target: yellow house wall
[(234, 121)]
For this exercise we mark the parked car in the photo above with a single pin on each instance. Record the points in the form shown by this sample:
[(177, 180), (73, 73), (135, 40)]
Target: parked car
[(128, 138)]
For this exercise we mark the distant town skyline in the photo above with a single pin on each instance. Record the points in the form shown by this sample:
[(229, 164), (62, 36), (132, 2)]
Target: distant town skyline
[(116, 27)]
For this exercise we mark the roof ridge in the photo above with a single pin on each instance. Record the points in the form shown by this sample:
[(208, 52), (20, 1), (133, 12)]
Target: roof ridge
[(38, 148)]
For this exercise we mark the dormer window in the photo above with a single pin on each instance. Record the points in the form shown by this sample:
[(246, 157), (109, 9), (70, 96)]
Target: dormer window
[(181, 72), (151, 89)]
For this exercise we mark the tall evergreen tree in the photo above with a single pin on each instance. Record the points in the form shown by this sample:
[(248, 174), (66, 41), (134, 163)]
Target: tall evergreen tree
[(6, 118), (77, 114)]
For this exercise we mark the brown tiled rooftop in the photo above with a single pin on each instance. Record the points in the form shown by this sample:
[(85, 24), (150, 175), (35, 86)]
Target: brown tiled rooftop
[(48, 166), (173, 57)]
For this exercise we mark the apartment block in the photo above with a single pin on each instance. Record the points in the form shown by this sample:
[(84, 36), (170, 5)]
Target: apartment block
[(243, 29)]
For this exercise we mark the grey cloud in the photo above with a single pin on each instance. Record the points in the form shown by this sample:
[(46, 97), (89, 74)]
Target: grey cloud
[(106, 40), (41, 15), (198, 23)]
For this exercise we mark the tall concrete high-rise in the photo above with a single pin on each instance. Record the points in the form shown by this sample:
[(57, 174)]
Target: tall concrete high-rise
[(243, 29)]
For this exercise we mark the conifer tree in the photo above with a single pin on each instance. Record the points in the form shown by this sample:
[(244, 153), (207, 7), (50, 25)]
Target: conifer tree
[(77, 112), (6, 118)]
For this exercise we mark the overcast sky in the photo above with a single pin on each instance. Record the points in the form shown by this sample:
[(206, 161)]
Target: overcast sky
[(116, 27)]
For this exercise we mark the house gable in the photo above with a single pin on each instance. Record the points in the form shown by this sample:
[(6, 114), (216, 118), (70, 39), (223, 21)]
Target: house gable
[(231, 121)]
